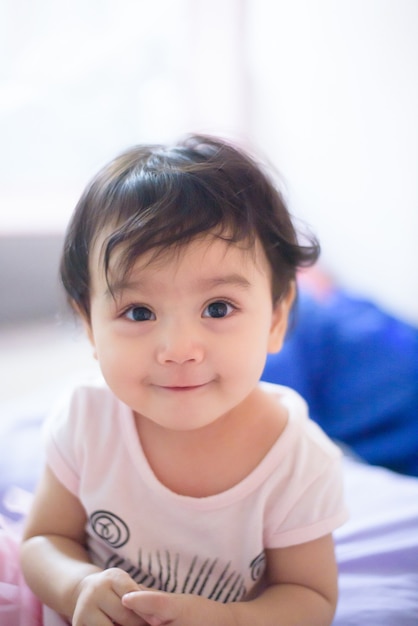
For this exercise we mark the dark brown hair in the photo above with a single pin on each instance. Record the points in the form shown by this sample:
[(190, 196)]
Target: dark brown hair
[(153, 197)]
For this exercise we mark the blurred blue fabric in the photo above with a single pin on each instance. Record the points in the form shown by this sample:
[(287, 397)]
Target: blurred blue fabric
[(357, 367)]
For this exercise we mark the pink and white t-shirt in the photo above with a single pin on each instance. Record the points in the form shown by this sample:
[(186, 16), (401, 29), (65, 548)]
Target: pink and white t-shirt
[(212, 546)]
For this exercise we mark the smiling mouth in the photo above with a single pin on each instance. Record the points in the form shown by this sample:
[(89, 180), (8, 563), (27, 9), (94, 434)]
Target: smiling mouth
[(182, 388)]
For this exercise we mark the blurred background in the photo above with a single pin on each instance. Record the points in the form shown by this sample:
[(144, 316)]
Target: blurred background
[(325, 90)]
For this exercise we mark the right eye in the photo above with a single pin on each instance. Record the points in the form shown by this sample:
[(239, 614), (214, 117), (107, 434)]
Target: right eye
[(139, 314)]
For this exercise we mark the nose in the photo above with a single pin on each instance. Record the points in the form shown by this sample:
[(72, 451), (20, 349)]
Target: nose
[(179, 343)]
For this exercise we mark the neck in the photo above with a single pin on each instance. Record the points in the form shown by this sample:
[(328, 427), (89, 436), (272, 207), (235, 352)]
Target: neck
[(213, 458)]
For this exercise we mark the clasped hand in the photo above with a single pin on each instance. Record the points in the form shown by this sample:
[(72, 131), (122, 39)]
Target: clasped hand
[(112, 597)]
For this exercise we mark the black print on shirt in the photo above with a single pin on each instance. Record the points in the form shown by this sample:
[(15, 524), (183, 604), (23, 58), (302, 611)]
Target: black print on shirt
[(258, 565), (110, 528), (161, 569), (203, 577)]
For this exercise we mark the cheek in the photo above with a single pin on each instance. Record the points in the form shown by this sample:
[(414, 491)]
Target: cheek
[(116, 358), (246, 356)]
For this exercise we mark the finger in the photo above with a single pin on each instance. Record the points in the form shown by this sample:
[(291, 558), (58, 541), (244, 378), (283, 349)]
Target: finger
[(100, 601), (121, 582), (96, 616), (112, 606), (155, 607)]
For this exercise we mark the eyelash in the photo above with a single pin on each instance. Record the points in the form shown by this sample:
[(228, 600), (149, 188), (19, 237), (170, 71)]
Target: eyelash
[(230, 309), (230, 306), (136, 307)]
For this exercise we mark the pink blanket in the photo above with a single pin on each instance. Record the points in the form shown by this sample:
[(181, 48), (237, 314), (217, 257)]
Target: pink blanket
[(18, 605)]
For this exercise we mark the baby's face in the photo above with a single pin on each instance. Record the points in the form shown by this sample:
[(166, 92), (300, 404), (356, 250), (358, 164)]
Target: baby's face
[(183, 339)]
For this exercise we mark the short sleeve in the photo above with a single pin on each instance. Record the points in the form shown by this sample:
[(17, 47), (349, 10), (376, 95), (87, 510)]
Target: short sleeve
[(78, 432), (60, 434), (313, 505)]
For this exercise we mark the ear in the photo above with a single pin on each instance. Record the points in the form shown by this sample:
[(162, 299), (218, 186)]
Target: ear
[(280, 320)]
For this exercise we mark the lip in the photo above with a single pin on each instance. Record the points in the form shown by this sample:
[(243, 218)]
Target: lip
[(181, 388)]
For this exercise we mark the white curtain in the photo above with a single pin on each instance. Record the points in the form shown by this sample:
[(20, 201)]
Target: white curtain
[(81, 81), (327, 90)]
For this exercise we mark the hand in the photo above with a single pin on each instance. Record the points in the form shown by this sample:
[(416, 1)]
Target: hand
[(99, 600), (159, 608)]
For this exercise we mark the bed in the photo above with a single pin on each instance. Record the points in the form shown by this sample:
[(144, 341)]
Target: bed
[(358, 368)]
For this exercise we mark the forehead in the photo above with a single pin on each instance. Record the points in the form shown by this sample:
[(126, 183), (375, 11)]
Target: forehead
[(199, 256)]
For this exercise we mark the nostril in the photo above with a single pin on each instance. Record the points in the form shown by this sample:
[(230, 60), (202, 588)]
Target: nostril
[(180, 353)]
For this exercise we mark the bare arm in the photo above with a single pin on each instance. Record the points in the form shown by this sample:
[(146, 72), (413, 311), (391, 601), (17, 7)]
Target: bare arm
[(302, 591), (303, 587), (57, 567)]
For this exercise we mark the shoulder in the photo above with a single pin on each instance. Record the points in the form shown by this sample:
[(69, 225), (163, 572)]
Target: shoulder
[(79, 409), (78, 430), (301, 433), (285, 395), (306, 482), (90, 392)]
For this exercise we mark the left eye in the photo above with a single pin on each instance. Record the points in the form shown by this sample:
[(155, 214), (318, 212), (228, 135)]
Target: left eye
[(140, 314), (218, 309)]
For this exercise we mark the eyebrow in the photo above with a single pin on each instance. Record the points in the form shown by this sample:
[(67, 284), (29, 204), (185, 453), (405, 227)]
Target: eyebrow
[(234, 279)]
